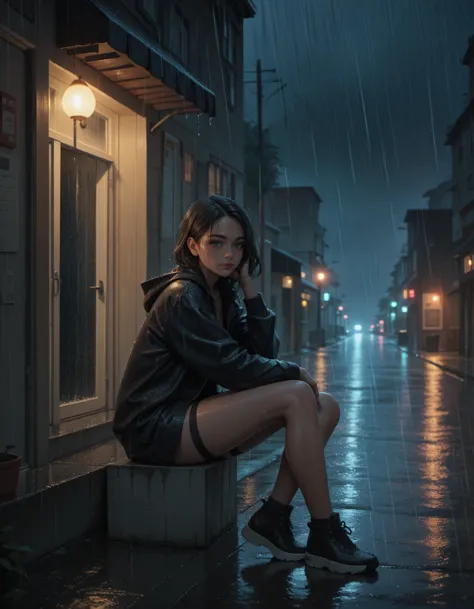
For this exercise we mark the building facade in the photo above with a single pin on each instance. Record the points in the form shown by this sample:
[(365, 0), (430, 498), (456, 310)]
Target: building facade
[(295, 212), (432, 311), (89, 209), (461, 140)]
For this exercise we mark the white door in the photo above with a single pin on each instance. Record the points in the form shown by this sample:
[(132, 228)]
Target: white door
[(171, 208), (79, 189)]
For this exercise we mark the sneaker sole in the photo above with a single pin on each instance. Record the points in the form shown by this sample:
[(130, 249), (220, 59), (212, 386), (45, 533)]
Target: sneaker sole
[(258, 540), (317, 562)]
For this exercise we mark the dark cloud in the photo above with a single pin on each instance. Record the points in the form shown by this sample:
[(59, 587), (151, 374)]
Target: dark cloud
[(372, 86)]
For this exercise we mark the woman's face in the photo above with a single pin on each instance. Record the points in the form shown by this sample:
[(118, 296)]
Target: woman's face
[(220, 251)]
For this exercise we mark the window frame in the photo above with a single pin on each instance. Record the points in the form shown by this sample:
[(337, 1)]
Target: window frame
[(184, 25), (188, 168), (229, 39)]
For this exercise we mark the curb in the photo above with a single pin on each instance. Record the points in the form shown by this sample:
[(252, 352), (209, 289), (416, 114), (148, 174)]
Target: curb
[(456, 371), (445, 368)]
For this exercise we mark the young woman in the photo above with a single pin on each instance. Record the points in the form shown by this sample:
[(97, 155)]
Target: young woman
[(203, 381)]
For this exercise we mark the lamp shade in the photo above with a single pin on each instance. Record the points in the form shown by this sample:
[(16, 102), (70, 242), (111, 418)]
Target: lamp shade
[(78, 100)]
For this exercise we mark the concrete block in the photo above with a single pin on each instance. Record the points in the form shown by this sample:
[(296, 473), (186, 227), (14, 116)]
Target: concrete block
[(179, 506)]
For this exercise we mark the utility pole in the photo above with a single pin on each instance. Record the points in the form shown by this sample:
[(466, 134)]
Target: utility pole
[(261, 207)]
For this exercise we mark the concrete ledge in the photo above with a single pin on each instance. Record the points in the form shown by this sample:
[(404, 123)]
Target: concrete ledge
[(47, 519), (175, 506)]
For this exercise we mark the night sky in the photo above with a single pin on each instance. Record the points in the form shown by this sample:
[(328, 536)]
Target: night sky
[(371, 88)]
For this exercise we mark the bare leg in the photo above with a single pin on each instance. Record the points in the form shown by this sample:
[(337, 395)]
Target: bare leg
[(232, 419), (286, 485)]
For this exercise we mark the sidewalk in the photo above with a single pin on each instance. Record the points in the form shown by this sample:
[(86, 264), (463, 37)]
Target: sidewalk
[(449, 362)]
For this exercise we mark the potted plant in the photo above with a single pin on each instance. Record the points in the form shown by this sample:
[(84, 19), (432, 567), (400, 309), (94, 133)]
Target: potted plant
[(9, 473), (12, 573)]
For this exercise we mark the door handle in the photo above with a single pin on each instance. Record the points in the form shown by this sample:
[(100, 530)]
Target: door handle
[(56, 283), (99, 288)]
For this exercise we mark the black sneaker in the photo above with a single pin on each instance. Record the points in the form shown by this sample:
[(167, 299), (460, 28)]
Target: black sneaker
[(273, 529), (329, 547)]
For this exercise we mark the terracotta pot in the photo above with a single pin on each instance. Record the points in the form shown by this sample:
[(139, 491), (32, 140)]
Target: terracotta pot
[(9, 474)]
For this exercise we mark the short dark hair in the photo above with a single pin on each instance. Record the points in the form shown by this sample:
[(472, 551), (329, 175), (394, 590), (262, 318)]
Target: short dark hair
[(199, 220)]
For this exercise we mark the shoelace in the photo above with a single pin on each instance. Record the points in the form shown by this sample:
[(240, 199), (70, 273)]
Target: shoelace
[(284, 522), (341, 532)]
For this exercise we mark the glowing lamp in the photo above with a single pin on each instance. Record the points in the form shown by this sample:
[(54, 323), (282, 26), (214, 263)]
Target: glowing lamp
[(304, 303), (78, 101), (435, 298), (320, 276)]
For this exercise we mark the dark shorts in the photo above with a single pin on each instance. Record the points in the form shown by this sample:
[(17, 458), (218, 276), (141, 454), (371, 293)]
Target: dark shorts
[(196, 437)]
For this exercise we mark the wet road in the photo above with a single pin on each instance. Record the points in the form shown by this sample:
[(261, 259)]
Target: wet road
[(401, 471)]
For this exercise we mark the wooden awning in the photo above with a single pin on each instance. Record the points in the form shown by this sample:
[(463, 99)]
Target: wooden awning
[(106, 36)]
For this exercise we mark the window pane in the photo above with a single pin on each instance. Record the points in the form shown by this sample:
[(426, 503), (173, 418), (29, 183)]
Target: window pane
[(432, 318), (77, 271), (212, 179), (95, 135)]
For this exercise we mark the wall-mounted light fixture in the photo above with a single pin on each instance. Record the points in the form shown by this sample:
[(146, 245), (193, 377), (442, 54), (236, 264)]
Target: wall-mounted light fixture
[(78, 103)]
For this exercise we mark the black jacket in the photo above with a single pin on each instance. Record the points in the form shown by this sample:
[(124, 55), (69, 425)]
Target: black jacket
[(182, 353)]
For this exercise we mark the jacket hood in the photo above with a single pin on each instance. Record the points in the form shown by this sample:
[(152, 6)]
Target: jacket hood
[(153, 287)]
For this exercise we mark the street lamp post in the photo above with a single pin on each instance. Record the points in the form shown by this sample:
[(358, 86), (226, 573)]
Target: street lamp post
[(320, 277)]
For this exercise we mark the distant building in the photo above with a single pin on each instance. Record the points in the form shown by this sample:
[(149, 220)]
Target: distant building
[(432, 312), (440, 197), (461, 139), (295, 212)]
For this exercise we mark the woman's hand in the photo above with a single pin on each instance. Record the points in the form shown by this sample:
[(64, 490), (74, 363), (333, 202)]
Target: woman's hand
[(245, 281), (242, 276), (307, 378)]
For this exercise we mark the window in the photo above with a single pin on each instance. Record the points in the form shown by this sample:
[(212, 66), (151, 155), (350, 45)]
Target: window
[(214, 179), (229, 82), (188, 167), (468, 263), (224, 182), (229, 54), (229, 39), (221, 181), (432, 312), (179, 35)]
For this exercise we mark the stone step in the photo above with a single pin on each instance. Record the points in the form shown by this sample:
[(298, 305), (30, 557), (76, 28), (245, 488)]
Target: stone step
[(185, 507)]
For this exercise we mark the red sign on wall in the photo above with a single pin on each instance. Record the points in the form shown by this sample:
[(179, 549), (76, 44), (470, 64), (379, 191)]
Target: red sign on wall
[(8, 120)]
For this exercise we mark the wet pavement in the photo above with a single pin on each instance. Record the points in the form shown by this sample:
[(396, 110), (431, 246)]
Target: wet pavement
[(401, 471)]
